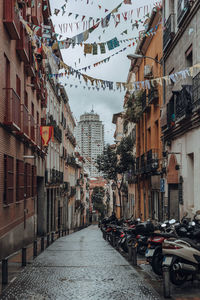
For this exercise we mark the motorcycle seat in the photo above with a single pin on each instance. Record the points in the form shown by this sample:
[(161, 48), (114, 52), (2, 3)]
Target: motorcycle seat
[(192, 243)]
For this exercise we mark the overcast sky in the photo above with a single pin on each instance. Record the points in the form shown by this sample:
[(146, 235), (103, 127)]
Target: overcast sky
[(81, 100)]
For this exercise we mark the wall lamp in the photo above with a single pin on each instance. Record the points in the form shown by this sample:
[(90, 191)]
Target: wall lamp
[(136, 56)]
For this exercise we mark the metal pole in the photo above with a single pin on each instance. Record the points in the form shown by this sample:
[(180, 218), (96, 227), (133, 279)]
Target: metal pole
[(48, 240), (5, 271), (23, 257), (42, 243), (52, 237), (35, 248)]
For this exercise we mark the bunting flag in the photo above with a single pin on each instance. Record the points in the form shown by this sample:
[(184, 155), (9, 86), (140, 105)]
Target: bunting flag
[(100, 83)]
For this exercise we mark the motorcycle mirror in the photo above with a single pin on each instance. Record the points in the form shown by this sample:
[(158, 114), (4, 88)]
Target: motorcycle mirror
[(172, 221), (163, 225)]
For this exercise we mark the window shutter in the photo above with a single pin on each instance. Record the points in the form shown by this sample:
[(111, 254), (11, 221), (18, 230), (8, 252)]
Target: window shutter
[(8, 179), (20, 180), (34, 181)]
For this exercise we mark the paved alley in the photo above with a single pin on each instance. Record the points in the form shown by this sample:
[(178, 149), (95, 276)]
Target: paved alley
[(79, 266)]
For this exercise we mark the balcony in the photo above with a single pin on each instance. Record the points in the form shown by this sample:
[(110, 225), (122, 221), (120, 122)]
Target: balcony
[(58, 134), (169, 31), (11, 19), (183, 100), (71, 161), (38, 137), (73, 191), (183, 9), (143, 164), (66, 186), (144, 101), (24, 118), (137, 165), (153, 96), (44, 98), (29, 67), (196, 91), (12, 117), (152, 160), (32, 128), (22, 46), (78, 182)]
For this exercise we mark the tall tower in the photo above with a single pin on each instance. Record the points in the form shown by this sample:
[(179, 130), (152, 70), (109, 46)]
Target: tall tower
[(90, 139)]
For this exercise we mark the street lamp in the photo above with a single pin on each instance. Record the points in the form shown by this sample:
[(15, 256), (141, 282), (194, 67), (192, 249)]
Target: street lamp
[(135, 56)]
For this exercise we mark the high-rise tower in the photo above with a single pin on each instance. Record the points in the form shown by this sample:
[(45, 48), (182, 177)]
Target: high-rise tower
[(90, 139)]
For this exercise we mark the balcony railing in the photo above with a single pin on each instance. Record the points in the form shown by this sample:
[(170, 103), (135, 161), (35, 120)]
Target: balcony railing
[(183, 8), (137, 165), (36, 82), (144, 101), (152, 160), (153, 95), (169, 31), (29, 67), (13, 109), (183, 100), (38, 137), (11, 19), (143, 164), (32, 128), (196, 91), (58, 133), (22, 45), (25, 123)]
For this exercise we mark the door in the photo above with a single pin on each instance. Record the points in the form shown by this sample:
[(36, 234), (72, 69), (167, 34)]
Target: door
[(173, 207)]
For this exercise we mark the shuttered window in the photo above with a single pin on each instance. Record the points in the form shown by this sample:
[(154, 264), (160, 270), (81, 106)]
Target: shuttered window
[(27, 180), (34, 181), (8, 179), (19, 180)]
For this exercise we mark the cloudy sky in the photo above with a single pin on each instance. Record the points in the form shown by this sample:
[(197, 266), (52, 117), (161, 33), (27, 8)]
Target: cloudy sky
[(105, 103)]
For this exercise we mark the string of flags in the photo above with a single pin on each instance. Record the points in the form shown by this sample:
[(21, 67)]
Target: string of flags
[(100, 7), (100, 83)]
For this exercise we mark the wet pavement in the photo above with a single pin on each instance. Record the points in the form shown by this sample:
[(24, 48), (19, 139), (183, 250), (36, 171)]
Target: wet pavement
[(80, 266)]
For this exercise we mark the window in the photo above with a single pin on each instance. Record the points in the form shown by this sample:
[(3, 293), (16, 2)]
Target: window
[(189, 57), (8, 179), (27, 180), (7, 73), (18, 86), (34, 181), (19, 180), (26, 99)]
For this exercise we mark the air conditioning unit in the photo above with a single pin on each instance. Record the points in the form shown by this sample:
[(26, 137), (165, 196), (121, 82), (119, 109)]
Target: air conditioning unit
[(148, 71)]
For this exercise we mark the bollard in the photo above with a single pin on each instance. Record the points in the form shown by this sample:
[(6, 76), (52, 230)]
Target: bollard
[(134, 255), (52, 237), (35, 249), (23, 257), (62, 232), (59, 233), (42, 243), (5, 271), (166, 282), (129, 253), (48, 240)]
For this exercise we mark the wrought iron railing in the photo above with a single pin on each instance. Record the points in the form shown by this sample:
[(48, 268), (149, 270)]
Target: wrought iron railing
[(169, 31)]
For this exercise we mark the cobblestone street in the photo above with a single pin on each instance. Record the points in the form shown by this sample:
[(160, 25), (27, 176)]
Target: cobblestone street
[(79, 266)]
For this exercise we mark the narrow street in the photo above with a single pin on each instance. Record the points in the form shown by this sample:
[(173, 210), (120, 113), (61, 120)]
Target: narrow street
[(79, 266)]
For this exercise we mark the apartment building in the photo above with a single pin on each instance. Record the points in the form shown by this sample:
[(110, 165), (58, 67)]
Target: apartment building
[(180, 112), (23, 98)]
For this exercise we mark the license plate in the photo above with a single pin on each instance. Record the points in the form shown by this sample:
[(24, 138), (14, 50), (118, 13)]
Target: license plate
[(149, 252), (167, 260)]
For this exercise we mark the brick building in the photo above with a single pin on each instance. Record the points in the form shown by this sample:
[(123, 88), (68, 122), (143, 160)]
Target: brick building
[(23, 97), (146, 115)]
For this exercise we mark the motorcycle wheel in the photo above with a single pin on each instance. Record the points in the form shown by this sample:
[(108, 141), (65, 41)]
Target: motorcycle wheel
[(157, 263), (177, 277)]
